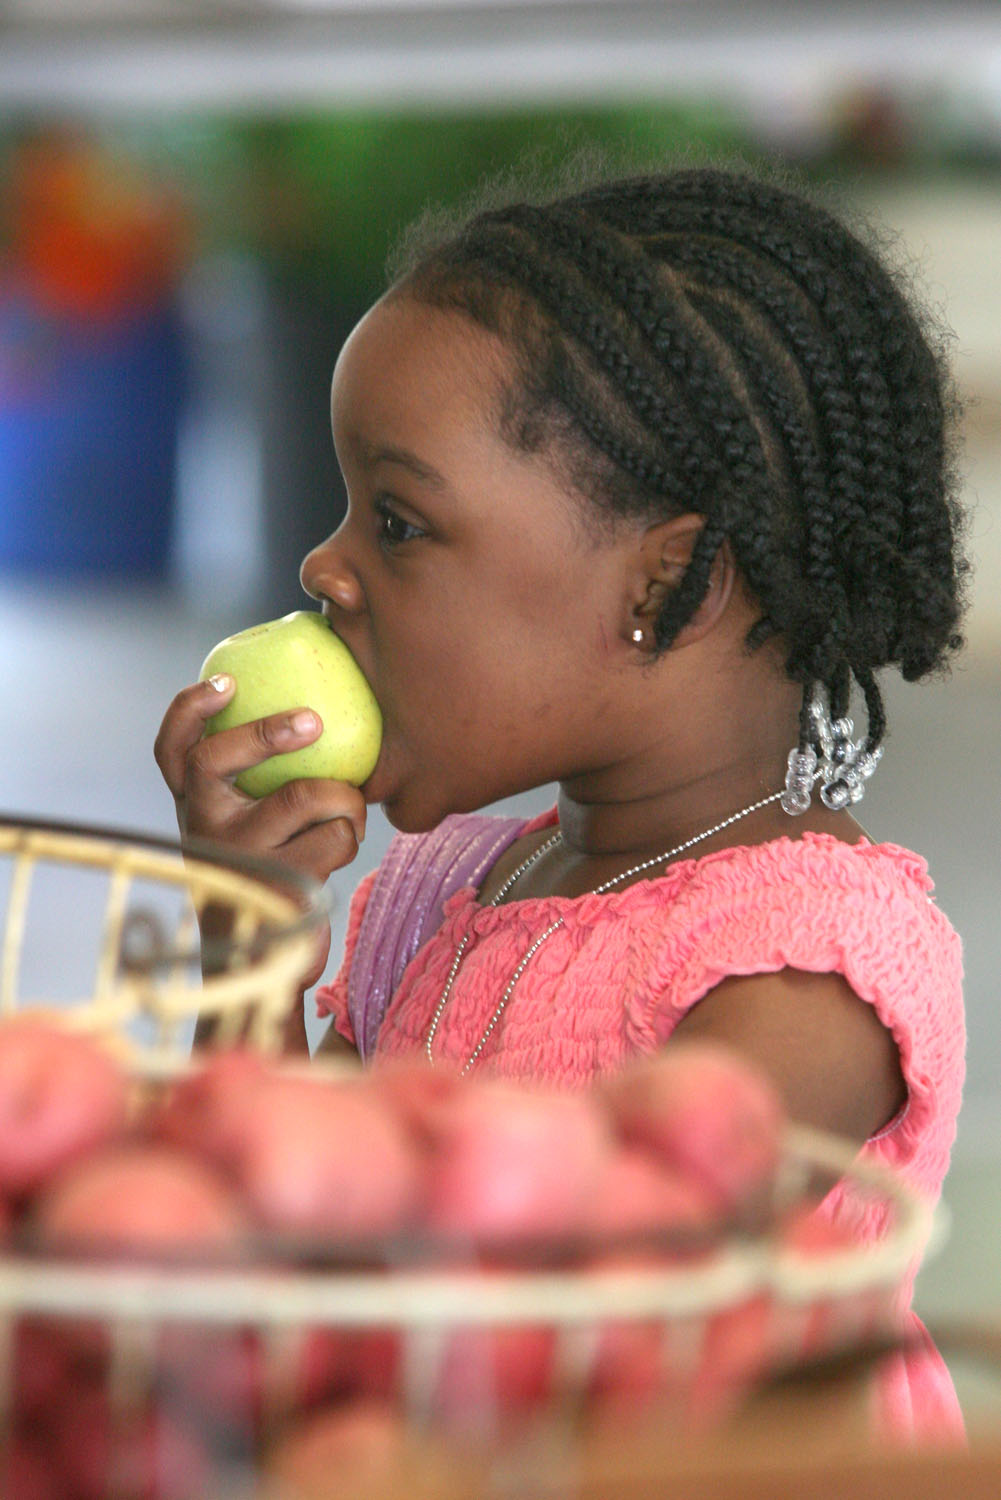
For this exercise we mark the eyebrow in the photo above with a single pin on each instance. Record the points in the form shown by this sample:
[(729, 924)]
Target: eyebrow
[(407, 460)]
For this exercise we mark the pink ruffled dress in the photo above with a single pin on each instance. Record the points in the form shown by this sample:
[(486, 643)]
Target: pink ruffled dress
[(616, 978)]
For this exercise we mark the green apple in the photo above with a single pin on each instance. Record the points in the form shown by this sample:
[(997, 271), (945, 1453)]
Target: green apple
[(298, 662)]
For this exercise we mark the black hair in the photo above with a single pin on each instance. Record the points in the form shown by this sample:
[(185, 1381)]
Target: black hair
[(706, 340)]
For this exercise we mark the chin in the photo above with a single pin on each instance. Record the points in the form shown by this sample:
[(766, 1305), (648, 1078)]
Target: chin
[(408, 812), (406, 816), (405, 822)]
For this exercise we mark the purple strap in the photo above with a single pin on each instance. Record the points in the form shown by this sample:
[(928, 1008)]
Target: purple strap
[(406, 903)]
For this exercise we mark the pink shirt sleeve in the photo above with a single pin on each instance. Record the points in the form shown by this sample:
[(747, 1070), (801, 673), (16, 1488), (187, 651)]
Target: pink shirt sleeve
[(332, 998), (864, 911)]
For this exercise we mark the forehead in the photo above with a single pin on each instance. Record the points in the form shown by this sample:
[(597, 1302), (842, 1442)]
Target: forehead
[(416, 370), (430, 389)]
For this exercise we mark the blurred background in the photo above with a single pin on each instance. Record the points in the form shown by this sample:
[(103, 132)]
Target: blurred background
[(195, 204)]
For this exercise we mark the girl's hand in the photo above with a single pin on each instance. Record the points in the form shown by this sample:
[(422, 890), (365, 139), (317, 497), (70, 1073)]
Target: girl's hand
[(313, 826)]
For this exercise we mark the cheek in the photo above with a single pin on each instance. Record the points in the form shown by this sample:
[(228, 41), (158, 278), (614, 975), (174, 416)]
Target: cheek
[(482, 662), (431, 679), (465, 709)]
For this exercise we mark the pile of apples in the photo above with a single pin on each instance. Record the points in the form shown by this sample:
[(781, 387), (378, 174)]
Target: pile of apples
[(245, 1162)]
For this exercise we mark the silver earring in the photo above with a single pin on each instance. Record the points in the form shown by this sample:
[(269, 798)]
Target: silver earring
[(842, 767), (638, 636)]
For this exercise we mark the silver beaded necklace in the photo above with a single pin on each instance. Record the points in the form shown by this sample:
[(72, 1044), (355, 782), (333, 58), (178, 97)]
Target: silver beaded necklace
[(497, 898)]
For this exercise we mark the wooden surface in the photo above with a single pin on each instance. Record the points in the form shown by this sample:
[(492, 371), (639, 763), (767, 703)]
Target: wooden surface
[(807, 1441), (806, 1438)]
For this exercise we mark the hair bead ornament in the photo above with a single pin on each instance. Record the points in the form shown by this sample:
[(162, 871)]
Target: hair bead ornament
[(801, 772), (842, 766)]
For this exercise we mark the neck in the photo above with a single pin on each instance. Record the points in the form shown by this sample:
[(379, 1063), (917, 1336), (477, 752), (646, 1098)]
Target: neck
[(654, 818)]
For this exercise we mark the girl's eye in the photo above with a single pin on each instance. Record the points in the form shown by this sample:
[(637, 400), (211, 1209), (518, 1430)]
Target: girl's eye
[(393, 529)]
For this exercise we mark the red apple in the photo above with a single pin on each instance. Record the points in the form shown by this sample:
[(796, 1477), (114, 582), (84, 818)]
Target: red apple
[(236, 1377), (61, 1096), (208, 1109), (421, 1095), (640, 1197), (214, 1372), (629, 1371), (141, 1199), (514, 1164), (708, 1113), (326, 1159), (629, 1367), (368, 1360), (736, 1352), (50, 1356)]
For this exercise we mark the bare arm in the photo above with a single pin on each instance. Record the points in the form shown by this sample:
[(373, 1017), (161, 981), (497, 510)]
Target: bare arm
[(835, 1063), (332, 1044)]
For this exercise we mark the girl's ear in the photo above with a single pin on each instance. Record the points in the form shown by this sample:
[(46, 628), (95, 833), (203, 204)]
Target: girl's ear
[(663, 555)]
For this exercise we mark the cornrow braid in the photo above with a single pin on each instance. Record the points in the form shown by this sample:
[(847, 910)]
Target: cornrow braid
[(559, 292), (834, 394), (830, 410), (672, 332), (913, 371), (677, 334), (706, 341)]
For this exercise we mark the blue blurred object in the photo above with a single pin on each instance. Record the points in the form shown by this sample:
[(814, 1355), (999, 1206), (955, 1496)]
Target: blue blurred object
[(89, 415)]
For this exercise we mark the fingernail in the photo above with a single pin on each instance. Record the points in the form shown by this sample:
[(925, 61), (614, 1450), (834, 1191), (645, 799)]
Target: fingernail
[(303, 721), (222, 682)]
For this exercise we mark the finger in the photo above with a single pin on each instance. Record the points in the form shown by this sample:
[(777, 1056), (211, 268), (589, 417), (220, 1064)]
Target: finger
[(184, 724), (320, 850), (220, 757), (311, 804)]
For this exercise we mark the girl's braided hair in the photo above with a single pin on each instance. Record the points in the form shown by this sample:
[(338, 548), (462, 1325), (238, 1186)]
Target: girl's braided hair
[(707, 341)]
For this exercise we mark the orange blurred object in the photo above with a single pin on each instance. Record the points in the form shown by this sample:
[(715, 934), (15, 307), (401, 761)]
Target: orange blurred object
[(89, 234)]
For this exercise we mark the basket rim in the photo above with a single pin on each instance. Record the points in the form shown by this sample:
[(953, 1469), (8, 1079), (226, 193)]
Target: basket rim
[(280, 1296), (308, 900)]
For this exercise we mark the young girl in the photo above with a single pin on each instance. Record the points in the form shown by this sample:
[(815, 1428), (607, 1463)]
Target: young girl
[(642, 480)]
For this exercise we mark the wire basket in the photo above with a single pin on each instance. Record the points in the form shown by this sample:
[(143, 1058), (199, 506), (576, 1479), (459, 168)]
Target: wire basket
[(127, 936), (249, 1338), (236, 1357)]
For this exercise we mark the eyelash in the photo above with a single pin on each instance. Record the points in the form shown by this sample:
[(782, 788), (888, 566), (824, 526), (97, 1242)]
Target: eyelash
[(388, 517)]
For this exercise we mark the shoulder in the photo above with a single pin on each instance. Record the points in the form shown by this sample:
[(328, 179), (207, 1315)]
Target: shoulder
[(816, 880), (864, 911), (786, 937), (818, 855)]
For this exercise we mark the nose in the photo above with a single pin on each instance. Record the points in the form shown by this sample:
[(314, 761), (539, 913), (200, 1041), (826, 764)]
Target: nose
[(326, 574)]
